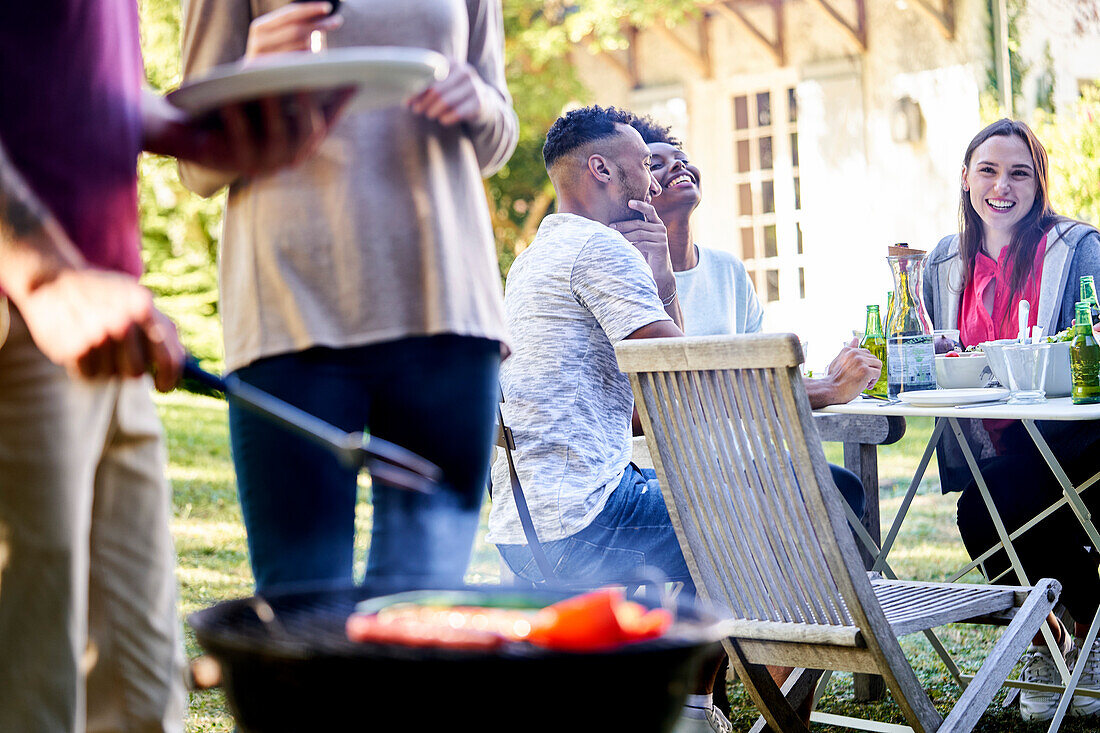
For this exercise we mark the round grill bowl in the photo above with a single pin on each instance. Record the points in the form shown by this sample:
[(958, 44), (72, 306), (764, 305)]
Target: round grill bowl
[(300, 673)]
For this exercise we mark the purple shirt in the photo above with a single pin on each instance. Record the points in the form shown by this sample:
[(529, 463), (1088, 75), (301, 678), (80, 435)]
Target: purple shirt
[(70, 117)]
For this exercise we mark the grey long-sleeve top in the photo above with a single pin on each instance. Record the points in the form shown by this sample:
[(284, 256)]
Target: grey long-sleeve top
[(385, 232), (1073, 250)]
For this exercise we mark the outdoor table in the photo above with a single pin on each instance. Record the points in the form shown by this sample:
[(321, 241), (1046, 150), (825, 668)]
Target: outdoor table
[(1056, 409)]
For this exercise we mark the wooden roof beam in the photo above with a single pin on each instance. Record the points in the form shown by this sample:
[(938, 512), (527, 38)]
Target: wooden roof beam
[(627, 69), (700, 58), (858, 31), (944, 16), (775, 47), (704, 27), (635, 68), (622, 68)]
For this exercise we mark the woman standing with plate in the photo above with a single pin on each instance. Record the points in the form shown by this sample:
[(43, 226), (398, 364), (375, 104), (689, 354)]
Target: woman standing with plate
[(1013, 247), (362, 286)]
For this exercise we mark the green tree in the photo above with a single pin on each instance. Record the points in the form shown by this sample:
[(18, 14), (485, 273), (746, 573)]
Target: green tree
[(1018, 67), (180, 230), (1072, 140), (540, 35)]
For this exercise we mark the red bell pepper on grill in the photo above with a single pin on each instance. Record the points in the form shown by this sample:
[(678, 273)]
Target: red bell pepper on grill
[(598, 620)]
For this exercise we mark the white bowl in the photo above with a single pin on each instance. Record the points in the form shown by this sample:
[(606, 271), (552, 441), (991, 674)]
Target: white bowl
[(951, 333), (965, 371), (1059, 382)]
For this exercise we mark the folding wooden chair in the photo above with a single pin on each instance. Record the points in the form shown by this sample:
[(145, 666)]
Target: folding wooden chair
[(764, 534)]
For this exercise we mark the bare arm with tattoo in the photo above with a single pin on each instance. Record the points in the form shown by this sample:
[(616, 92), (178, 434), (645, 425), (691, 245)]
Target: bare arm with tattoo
[(93, 322)]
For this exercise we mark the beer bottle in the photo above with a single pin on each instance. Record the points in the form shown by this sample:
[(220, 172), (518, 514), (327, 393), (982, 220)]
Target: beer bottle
[(875, 342), (1084, 358), (1088, 295)]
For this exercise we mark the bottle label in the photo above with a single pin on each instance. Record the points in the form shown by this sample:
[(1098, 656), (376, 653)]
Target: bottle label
[(910, 363)]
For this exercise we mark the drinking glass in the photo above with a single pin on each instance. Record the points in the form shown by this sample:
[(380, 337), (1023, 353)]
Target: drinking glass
[(1026, 365), (318, 40)]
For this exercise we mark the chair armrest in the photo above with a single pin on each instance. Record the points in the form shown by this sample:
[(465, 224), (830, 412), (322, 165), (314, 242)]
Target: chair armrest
[(865, 429)]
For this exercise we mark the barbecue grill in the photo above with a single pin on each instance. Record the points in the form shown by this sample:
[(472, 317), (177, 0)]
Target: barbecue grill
[(288, 666)]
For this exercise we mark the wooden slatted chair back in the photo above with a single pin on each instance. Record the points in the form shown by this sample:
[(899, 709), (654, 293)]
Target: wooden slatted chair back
[(743, 474), (743, 470), (764, 533)]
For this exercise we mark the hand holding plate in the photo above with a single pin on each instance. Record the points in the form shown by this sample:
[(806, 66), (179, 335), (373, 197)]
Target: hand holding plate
[(461, 97)]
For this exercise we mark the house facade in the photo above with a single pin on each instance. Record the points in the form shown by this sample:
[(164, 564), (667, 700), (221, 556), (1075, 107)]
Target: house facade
[(827, 130)]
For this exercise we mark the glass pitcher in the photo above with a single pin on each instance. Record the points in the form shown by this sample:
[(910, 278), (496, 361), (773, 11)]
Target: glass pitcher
[(910, 356)]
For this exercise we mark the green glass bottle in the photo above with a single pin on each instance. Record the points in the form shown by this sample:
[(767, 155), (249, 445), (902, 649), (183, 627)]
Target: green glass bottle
[(875, 342), (1084, 359), (1088, 295)]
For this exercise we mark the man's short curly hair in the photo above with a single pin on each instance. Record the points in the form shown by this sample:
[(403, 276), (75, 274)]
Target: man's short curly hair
[(580, 127), (654, 132)]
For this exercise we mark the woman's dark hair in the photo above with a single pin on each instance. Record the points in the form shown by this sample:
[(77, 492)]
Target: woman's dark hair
[(1029, 232), (654, 132), (580, 127)]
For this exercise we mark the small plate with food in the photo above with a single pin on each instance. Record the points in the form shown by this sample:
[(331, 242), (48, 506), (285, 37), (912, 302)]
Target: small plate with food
[(950, 397)]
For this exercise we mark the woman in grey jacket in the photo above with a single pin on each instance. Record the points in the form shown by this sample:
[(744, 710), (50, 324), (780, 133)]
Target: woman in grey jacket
[(1012, 246)]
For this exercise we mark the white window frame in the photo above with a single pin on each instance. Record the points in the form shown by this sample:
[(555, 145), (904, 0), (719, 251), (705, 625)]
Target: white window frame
[(787, 261)]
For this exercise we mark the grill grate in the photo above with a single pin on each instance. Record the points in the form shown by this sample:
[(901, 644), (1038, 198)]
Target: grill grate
[(311, 624)]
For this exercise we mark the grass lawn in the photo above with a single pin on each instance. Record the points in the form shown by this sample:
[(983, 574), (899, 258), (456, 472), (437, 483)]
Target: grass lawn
[(213, 560)]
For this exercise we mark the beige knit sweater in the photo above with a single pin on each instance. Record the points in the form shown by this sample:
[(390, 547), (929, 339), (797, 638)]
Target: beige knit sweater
[(385, 233)]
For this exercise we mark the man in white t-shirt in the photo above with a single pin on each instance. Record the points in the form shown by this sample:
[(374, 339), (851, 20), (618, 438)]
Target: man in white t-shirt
[(716, 293), (576, 291)]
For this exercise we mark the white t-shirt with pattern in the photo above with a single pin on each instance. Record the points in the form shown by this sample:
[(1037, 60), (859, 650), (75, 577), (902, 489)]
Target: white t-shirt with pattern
[(575, 292)]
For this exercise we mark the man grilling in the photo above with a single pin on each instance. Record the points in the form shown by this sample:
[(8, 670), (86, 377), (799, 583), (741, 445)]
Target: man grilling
[(88, 624)]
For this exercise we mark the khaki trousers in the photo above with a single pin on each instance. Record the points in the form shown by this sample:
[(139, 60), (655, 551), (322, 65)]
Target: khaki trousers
[(89, 636)]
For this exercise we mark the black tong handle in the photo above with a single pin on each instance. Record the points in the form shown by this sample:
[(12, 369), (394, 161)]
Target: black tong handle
[(384, 460)]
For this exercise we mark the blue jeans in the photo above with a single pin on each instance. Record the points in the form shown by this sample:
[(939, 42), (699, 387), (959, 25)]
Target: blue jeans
[(850, 487), (434, 395), (632, 535)]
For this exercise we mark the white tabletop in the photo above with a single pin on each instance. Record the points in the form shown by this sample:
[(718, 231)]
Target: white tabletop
[(1057, 408)]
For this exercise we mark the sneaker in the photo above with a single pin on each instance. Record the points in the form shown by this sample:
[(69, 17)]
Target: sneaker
[(1039, 667), (702, 720), (1082, 705)]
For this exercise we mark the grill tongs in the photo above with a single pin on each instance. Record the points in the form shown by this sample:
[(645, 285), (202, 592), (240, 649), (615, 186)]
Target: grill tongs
[(386, 462)]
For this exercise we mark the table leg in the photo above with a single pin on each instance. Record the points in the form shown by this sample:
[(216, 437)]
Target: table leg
[(1002, 534), (1074, 499), (1075, 678), (862, 460), (895, 527)]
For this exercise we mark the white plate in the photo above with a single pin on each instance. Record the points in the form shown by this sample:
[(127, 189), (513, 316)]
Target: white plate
[(386, 75), (948, 397)]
